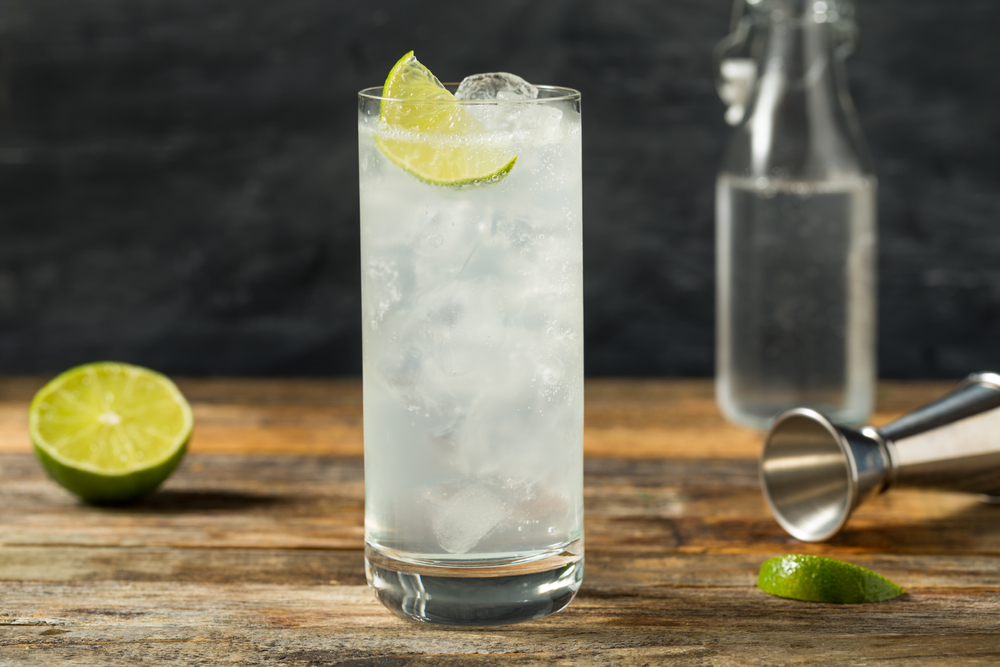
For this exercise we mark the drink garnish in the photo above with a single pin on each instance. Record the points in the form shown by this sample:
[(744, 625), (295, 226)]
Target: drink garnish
[(824, 579), (425, 130)]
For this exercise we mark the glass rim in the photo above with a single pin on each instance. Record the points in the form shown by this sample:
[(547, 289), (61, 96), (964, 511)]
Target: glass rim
[(562, 95)]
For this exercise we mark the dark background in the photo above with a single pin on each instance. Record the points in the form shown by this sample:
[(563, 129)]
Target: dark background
[(178, 178)]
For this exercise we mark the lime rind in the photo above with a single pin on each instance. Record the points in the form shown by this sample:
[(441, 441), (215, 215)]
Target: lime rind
[(106, 451), (437, 150), (472, 181), (110, 488), (823, 579), (406, 66)]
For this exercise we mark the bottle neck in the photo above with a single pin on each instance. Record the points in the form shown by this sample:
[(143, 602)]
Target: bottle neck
[(800, 121), (797, 53), (831, 12)]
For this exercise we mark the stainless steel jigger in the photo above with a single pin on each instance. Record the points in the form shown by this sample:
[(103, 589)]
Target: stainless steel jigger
[(814, 473)]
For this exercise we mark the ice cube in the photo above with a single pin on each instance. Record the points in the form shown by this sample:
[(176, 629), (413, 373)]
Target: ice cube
[(495, 86), (429, 362), (467, 517), (447, 236), (503, 86), (459, 326), (436, 406)]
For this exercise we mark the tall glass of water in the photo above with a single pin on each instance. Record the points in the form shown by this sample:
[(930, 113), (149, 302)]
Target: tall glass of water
[(473, 358)]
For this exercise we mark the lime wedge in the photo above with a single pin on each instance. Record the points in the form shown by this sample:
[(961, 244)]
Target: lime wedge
[(109, 432), (427, 132), (823, 579)]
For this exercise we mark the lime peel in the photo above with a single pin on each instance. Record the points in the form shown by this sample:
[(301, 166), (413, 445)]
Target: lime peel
[(108, 431), (824, 579), (426, 131)]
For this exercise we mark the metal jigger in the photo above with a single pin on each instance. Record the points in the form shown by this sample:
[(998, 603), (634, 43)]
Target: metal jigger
[(814, 473)]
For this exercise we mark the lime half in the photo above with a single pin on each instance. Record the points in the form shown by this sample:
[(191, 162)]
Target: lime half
[(110, 432), (823, 579), (430, 134)]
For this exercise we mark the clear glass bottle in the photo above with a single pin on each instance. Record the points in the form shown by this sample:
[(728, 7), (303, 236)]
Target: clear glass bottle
[(795, 220)]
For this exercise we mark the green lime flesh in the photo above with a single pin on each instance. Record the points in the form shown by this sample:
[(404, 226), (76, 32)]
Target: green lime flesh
[(431, 135), (110, 432)]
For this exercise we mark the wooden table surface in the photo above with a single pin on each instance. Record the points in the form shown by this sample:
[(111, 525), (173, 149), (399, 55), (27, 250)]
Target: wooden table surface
[(252, 552)]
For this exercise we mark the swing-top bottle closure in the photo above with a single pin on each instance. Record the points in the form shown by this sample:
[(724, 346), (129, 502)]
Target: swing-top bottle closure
[(736, 66)]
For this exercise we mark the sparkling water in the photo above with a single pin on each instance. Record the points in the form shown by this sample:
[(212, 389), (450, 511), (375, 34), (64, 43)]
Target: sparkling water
[(796, 300), (473, 374)]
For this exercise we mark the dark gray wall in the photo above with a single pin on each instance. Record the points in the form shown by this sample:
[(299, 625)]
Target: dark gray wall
[(178, 178)]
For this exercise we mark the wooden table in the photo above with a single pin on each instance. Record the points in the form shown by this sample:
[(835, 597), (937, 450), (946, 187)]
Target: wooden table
[(252, 551)]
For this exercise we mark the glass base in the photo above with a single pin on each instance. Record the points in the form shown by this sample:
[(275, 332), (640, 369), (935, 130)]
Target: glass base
[(492, 593)]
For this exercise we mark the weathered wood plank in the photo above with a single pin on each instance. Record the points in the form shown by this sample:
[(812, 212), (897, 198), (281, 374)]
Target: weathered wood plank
[(297, 651), (302, 567), (307, 567), (325, 624), (624, 418), (227, 391), (607, 569), (637, 506), (678, 418), (251, 553)]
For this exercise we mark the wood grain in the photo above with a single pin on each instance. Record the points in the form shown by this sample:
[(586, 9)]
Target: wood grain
[(252, 552), (168, 623), (628, 418)]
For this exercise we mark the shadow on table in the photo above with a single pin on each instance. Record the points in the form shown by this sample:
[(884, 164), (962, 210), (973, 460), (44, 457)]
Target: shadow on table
[(972, 529), (175, 501)]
